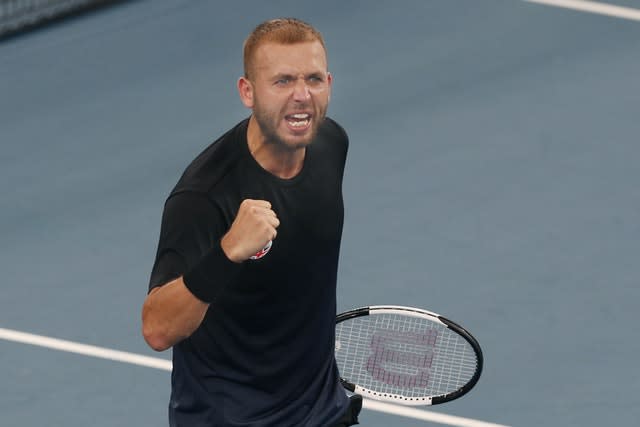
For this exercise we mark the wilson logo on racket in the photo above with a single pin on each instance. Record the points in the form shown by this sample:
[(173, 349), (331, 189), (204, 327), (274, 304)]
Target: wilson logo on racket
[(394, 352)]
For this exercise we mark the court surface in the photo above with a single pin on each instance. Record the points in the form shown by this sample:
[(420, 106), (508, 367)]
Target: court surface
[(492, 177)]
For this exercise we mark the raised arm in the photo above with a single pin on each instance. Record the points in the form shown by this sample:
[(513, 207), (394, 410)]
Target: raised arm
[(173, 311)]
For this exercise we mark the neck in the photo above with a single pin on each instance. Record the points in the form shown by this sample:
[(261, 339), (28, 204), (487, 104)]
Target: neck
[(274, 157)]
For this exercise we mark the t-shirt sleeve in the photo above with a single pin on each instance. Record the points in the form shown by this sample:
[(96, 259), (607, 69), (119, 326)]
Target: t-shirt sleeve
[(191, 225)]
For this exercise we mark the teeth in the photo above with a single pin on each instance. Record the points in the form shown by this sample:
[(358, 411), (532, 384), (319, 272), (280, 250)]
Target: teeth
[(299, 120), (299, 124)]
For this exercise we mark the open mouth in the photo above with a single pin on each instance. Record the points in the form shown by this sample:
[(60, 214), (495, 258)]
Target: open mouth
[(298, 121)]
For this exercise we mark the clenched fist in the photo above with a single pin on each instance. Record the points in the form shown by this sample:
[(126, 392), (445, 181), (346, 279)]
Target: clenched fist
[(254, 226)]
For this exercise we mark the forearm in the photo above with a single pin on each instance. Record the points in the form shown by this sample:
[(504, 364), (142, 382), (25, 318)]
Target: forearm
[(170, 314)]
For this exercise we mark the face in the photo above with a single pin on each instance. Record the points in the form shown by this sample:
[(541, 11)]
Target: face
[(288, 92)]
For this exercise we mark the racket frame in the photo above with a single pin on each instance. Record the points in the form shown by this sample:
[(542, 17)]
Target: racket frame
[(423, 314)]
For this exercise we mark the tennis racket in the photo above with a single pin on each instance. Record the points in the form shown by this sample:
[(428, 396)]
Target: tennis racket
[(405, 355)]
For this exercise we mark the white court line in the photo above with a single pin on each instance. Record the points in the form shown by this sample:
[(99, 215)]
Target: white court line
[(165, 365), (84, 349), (420, 414), (594, 7)]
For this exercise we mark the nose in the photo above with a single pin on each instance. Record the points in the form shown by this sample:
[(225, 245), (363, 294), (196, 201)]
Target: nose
[(301, 91)]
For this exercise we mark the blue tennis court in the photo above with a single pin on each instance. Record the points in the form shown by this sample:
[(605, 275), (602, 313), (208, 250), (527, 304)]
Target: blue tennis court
[(492, 177)]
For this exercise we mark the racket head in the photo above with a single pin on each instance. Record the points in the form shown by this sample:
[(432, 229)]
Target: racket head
[(405, 355)]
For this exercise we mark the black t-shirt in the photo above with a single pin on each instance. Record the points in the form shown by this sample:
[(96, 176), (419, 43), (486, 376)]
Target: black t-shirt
[(264, 353)]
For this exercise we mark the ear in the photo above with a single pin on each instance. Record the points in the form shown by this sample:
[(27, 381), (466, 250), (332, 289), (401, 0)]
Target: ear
[(245, 89), (330, 81)]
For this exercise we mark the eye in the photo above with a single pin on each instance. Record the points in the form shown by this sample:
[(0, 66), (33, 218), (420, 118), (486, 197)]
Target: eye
[(283, 81), (316, 80)]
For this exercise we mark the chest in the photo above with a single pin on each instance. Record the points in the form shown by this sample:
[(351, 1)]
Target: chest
[(310, 210)]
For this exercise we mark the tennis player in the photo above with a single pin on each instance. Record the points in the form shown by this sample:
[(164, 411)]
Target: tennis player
[(244, 282)]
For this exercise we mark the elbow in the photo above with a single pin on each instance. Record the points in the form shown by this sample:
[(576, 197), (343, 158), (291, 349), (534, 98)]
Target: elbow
[(155, 340), (152, 333)]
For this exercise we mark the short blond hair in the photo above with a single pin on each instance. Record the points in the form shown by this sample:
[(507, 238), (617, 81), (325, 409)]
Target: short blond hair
[(280, 30)]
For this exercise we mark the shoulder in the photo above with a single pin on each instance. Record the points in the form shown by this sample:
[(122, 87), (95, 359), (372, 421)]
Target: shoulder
[(213, 163), (332, 141), (331, 130)]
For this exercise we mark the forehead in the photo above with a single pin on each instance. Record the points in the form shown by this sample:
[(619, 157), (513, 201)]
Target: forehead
[(305, 57)]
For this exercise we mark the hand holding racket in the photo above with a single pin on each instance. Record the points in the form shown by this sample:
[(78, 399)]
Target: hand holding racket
[(405, 355)]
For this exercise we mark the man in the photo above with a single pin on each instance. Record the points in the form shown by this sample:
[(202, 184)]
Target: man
[(244, 282)]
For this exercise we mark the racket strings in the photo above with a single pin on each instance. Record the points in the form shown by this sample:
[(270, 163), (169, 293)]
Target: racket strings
[(403, 355)]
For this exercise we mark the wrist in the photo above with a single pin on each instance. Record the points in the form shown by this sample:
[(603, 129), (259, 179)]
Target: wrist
[(227, 249)]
